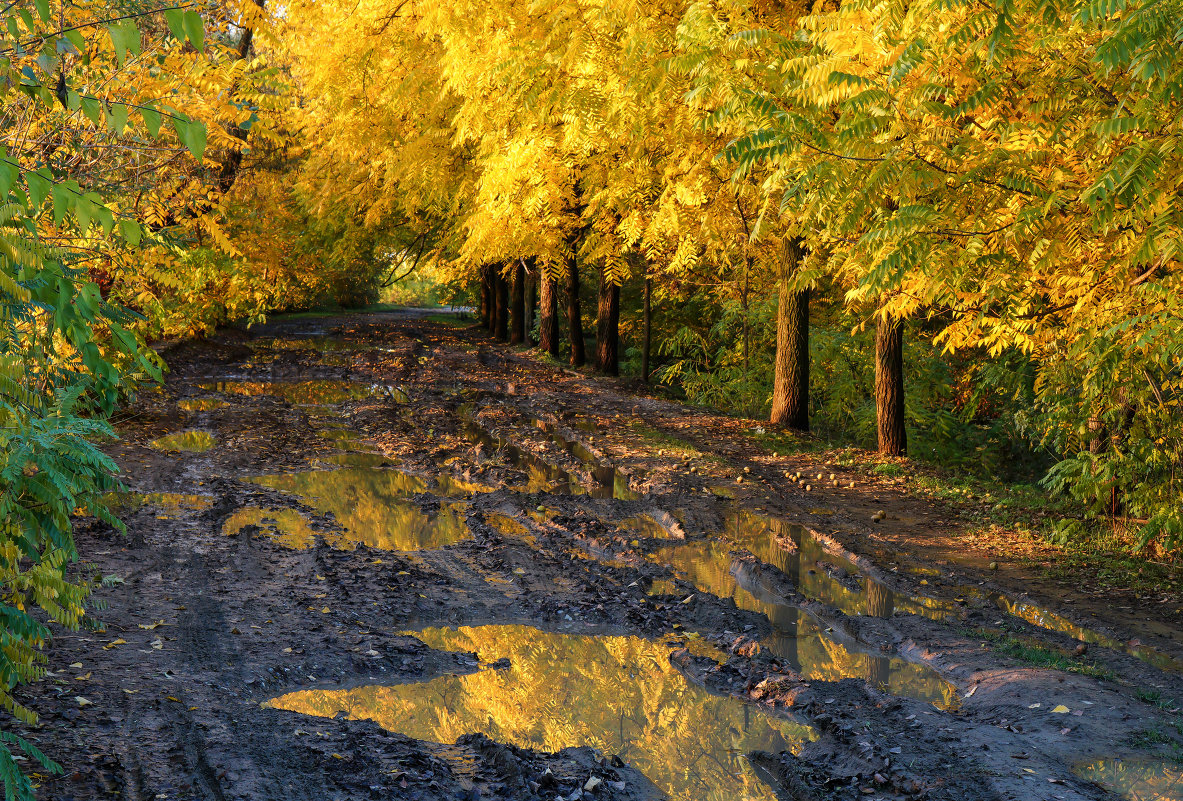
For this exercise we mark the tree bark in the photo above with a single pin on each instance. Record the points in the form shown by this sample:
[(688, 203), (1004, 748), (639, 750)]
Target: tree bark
[(531, 302), (790, 385), (548, 325), (889, 386), (608, 327), (648, 330), (518, 305), (485, 296), (502, 331), (574, 316)]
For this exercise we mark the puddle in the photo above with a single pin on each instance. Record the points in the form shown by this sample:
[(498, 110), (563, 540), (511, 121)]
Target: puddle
[(796, 637), (1047, 619), (172, 502), (289, 526), (457, 488), (614, 693), (1135, 779), (372, 506), (186, 441), (321, 392), (200, 404), (645, 526), (837, 582), (356, 459), (611, 482), (542, 476)]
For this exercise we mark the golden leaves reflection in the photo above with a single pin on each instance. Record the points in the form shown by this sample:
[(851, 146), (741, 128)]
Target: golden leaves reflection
[(617, 694)]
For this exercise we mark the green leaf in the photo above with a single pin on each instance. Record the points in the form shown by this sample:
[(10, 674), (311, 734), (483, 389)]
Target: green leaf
[(62, 199), (43, 10), (117, 117), (131, 35), (106, 220), (73, 100), (14, 30), (151, 120), (93, 109), (195, 140), (131, 232), (176, 23), (84, 211), (77, 39), (27, 18), (194, 29), (40, 183), (119, 42)]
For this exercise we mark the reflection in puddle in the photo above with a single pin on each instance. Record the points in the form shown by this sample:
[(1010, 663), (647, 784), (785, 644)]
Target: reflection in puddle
[(1047, 619), (796, 637), (291, 529), (645, 526), (617, 694), (200, 404), (541, 475), (834, 581), (371, 506), (357, 459), (187, 441), (820, 575), (1136, 780), (124, 502), (302, 392)]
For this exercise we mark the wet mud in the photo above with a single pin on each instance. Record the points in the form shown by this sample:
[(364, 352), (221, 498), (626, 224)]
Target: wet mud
[(381, 556)]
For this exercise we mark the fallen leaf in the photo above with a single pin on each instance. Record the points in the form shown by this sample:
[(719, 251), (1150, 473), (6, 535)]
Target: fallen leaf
[(1060, 709), (113, 643), (82, 701), (157, 644)]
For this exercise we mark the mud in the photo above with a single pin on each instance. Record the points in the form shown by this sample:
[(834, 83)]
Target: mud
[(413, 563)]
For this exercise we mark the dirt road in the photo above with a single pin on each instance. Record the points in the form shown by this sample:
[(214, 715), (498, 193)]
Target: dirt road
[(381, 556)]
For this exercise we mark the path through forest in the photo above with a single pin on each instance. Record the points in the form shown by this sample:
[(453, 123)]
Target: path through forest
[(381, 556)]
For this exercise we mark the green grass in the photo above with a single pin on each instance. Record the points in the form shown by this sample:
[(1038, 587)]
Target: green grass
[(1038, 655), (674, 445)]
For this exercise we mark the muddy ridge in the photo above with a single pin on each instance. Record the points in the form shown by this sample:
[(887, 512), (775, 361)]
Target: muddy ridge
[(380, 556)]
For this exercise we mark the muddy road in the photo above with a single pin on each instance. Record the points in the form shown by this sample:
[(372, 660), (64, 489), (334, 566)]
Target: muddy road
[(383, 557)]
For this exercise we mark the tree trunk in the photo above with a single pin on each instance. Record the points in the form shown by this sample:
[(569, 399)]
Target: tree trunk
[(490, 282), (548, 325), (889, 386), (790, 386), (486, 296), (648, 330), (531, 302), (502, 331), (574, 318), (518, 305), (608, 327)]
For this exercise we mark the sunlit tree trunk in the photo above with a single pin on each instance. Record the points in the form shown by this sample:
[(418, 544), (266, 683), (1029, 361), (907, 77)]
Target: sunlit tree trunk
[(518, 305), (574, 316), (502, 331), (889, 386), (608, 326), (790, 387), (548, 324)]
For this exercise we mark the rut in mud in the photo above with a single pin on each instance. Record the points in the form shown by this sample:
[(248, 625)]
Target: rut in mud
[(377, 556)]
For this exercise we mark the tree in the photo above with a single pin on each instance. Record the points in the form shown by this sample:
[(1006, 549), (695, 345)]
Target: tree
[(790, 392)]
